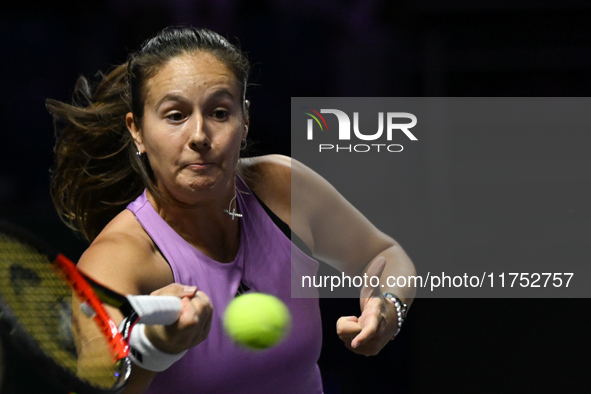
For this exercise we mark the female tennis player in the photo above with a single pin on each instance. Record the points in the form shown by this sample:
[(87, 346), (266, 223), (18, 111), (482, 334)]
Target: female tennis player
[(148, 169)]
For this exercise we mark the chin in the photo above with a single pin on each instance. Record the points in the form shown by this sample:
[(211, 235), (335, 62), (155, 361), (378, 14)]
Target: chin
[(201, 184)]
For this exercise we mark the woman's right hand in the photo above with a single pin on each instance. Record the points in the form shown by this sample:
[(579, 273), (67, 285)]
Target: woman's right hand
[(193, 324)]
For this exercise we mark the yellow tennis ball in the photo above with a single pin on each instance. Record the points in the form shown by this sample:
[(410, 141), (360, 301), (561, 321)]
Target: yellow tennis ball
[(257, 321)]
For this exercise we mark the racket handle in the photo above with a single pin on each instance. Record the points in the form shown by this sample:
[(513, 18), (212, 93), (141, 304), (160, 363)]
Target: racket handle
[(156, 309)]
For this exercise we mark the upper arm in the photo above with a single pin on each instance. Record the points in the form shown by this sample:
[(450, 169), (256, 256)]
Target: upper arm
[(124, 259), (340, 234), (334, 230)]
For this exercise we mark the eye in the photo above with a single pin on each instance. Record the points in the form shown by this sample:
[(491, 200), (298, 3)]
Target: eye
[(220, 114), (175, 116)]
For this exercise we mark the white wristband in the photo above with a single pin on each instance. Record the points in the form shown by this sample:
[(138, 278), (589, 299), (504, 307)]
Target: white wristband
[(144, 354), (156, 309)]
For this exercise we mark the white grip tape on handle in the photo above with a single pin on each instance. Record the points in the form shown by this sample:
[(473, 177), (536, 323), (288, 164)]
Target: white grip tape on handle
[(156, 309)]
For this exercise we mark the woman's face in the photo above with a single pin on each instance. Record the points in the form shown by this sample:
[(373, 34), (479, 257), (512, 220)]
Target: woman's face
[(193, 126)]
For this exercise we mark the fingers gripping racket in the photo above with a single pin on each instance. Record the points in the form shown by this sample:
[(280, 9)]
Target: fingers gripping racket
[(46, 304)]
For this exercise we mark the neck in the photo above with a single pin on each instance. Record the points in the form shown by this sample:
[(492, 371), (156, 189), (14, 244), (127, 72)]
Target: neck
[(206, 225)]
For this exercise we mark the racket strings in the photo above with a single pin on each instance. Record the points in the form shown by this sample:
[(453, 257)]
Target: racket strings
[(45, 307)]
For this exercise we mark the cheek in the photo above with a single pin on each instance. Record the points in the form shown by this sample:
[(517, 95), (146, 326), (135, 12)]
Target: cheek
[(163, 142), (163, 155), (235, 144), (228, 141), (239, 134)]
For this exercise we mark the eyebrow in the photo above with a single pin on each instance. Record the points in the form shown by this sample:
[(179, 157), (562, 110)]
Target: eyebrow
[(171, 97), (222, 92), (181, 99)]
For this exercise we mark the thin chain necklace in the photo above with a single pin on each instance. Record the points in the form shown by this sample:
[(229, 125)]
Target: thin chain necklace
[(232, 213)]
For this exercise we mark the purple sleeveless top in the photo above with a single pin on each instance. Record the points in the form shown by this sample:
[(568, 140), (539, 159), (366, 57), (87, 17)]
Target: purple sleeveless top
[(263, 263)]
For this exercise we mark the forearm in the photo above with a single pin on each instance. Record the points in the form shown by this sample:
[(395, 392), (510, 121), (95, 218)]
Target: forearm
[(397, 274)]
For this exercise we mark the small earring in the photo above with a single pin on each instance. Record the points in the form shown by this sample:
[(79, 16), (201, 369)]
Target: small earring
[(139, 154), (243, 144)]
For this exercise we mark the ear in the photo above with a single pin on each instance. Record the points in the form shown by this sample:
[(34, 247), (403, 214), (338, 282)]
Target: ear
[(246, 119), (245, 131), (136, 132)]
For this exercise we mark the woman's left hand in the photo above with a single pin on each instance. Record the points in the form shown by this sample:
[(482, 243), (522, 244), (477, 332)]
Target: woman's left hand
[(370, 332)]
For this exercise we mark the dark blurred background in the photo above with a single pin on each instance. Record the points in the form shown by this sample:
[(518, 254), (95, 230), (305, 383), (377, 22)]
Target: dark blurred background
[(332, 48)]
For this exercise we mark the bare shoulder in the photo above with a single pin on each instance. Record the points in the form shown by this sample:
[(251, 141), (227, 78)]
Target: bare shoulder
[(272, 174), (269, 177), (124, 258), (267, 173), (281, 181)]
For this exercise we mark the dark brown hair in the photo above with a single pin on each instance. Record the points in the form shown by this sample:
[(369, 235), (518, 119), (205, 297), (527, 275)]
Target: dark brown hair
[(97, 171)]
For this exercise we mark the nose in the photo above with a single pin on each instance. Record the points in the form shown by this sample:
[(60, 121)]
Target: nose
[(199, 139)]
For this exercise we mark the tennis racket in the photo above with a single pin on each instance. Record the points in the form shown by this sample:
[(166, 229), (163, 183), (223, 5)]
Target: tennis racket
[(45, 302)]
